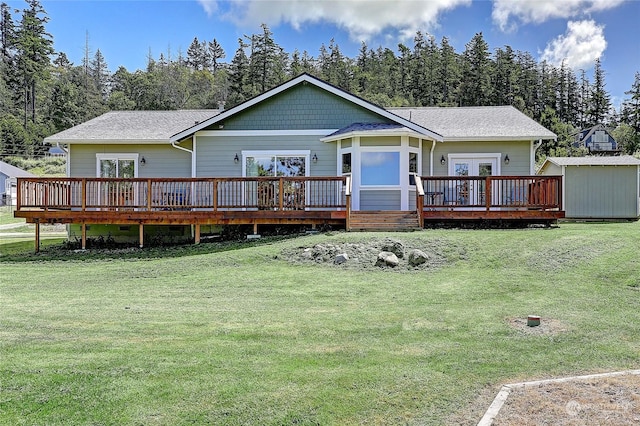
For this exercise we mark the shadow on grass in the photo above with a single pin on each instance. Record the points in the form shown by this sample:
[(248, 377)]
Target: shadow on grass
[(63, 250)]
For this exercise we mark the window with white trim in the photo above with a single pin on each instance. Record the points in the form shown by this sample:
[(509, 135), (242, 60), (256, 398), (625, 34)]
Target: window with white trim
[(117, 165)]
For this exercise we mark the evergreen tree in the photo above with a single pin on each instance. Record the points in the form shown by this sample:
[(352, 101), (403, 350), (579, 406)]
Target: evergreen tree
[(34, 45), (600, 101), (475, 87), (631, 115), (7, 33), (239, 80), (448, 73), (99, 73), (216, 53), (198, 55), (504, 77), (268, 61)]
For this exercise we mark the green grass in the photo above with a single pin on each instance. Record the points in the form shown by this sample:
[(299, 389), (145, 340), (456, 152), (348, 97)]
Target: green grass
[(6, 216), (235, 334)]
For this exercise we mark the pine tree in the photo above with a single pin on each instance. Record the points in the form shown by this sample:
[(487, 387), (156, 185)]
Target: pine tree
[(239, 80), (504, 77), (99, 73), (34, 45), (631, 115), (198, 55), (600, 101), (448, 73), (584, 100), (216, 53), (475, 87)]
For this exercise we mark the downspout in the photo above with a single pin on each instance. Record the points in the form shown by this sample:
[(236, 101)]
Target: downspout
[(193, 168), (533, 156), (192, 152), (66, 152), (433, 147)]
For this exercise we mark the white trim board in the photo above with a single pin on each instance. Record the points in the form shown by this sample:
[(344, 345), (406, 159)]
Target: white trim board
[(227, 133)]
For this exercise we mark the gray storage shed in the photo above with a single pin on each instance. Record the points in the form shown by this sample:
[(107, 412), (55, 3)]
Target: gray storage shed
[(597, 187)]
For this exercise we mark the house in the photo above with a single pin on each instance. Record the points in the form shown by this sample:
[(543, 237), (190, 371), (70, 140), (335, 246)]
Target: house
[(8, 182), (596, 140), (597, 187), (302, 152)]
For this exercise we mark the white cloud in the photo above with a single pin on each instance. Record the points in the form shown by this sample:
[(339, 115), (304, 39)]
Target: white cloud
[(209, 6), (538, 11), (582, 43), (362, 19)]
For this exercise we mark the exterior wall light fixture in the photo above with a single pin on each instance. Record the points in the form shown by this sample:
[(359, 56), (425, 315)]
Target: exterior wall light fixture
[(443, 160), (236, 159), (506, 159)]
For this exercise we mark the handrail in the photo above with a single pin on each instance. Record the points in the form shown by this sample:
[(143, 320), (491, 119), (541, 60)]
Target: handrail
[(492, 192), (151, 194), (419, 187)]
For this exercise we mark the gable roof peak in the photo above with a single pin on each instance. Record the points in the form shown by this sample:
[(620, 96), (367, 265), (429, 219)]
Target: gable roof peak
[(317, 82)]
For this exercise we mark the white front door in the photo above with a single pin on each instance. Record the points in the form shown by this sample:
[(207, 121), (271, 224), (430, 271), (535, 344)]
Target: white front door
[(472, 192)]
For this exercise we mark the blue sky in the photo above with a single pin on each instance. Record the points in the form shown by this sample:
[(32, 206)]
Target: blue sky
[(578, 30)]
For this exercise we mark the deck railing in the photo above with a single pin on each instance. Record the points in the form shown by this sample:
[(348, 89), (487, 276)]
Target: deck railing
[(491, 192), (157, 194)]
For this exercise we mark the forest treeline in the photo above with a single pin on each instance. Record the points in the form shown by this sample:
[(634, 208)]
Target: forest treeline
[(42, 92)]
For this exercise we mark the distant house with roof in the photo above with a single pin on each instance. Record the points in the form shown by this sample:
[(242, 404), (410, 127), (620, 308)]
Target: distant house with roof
[(8, 175), (596, 140), (597, 187)]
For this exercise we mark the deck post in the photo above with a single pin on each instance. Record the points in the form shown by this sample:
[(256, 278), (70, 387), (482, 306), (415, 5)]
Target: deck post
[(197, 234), (487, 193), (84, 236), (18, 196), (141, 236), (37, 242)]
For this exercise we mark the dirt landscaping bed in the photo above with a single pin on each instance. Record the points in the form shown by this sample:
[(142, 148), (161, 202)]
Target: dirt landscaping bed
[(595, 401)]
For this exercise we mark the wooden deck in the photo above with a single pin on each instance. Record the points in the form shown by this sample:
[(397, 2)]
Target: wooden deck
[(527, 199), (273, 200)]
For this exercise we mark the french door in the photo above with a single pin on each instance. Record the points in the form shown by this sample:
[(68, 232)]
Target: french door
[(120, 193), (472, 192)]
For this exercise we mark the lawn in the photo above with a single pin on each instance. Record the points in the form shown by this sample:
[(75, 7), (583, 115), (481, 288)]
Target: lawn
[(239, 334), (6, 216)]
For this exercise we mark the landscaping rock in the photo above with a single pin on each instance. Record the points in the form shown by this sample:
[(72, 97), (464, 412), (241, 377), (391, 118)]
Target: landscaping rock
[(395, 247), (387, 258), (341, 258), (417, 257)]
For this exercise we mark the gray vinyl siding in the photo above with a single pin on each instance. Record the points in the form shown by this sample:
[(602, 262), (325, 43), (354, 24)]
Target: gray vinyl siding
[(161, 160), (380, 200), (301, 107), (216, 154), (601, 192), (519, 155)]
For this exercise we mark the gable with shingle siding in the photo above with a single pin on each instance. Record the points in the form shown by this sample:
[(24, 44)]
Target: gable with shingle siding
[(301, 107)]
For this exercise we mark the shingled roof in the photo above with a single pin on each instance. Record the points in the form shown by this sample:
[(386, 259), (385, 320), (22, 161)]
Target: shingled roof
[(476, 123), (133, 126), (13, 171), (592, 160)]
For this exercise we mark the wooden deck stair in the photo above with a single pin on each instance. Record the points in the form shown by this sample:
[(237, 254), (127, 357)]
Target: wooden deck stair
[(383, 220)]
